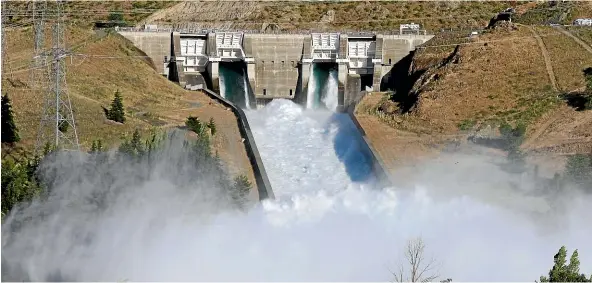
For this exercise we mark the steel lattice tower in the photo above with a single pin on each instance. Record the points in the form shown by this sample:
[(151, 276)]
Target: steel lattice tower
[(38, 74), (57, 125), (4, 53)]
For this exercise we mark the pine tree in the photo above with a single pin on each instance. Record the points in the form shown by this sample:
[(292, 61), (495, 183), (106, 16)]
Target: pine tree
[(117, 112), (212, 125), (136, 143), (241, 188), (9, 130)]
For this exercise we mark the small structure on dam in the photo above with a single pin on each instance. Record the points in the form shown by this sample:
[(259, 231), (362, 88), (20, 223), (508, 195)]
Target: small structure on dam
[(277, 65)]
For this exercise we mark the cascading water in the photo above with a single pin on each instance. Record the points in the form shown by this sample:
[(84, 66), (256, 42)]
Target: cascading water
[(312, 88), (325, 224), (322, 87), (246, 90), (234, 83), (331, 91)]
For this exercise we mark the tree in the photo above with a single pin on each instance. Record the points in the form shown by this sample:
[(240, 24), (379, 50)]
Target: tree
[(579, 169), (18, 183), (588, 77), (97, 146), (563, 272), (195, 125), (241, 188), (212, 125), (419, 268), (9, 130), (117, 112)]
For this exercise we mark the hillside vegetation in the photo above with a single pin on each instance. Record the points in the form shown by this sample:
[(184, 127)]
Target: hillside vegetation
[(342, 16), (106, 63), (496, 79)]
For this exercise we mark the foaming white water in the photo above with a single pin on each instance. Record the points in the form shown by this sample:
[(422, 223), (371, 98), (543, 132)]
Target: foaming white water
[(312, 86), (246, 91), (306, 152), (326, 229), (222, 86), (331, 91)]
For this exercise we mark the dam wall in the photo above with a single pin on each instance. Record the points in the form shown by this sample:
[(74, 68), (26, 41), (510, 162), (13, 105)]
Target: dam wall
[(277, 65), (155, 44), (274, 69)]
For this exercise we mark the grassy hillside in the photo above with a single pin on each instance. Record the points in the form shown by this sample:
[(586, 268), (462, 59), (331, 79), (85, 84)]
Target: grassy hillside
[(87, 12), (150, 100), (350, 15), (498, 78)]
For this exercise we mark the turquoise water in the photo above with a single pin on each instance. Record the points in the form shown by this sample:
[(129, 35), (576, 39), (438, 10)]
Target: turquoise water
[(322, 86), (234, 84)]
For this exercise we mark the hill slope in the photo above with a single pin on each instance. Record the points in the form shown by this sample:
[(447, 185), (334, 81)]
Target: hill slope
[(470, 89), (105, 63)]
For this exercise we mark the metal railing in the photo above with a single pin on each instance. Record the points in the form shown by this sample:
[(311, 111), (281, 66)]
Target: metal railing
[(247, 31)]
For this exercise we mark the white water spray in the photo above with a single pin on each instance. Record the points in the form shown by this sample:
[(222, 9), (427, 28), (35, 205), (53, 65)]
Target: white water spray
[(222, 86), (324, 226), (246, 91), (331, 91), (312, 86)]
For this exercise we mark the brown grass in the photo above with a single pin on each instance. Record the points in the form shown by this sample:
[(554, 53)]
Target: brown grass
[(150, 100), (490, 80), (354, 16), (584, 33), (569, 59)]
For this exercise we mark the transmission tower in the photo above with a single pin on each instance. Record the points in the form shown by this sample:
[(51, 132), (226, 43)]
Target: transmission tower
[(57, 125), (3, 35), (38, 73)]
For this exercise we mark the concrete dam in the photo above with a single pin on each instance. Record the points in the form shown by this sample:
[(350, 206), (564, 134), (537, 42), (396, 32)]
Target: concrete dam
[(274, 66), (287, 91)]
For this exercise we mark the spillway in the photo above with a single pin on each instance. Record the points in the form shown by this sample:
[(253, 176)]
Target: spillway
[(322, 89), (303, 150), (234, 84)]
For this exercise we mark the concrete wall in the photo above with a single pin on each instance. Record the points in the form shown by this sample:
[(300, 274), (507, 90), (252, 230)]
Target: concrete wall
[(155, 44), (276, 63), (394, 48), (263, 185), (354, 84)]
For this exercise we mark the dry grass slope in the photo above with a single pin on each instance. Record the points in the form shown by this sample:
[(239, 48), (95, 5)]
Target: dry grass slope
[(151, 101), (357, 15), (498, 77)]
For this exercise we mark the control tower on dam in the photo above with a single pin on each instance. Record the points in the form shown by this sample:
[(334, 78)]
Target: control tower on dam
[(276, 65)]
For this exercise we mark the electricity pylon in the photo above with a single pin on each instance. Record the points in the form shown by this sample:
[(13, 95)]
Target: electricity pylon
[(57, 126), (38, 73)]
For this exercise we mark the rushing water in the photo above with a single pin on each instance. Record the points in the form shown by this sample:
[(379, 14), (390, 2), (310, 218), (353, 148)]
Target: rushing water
[(322, 89), (328, 223), (234, 83)]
